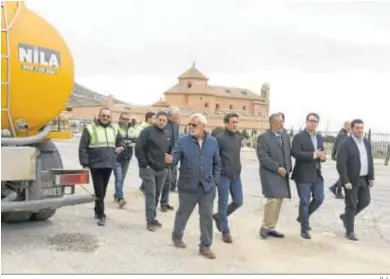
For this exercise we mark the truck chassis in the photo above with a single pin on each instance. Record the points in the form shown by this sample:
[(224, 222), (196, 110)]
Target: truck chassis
[(34, 183)]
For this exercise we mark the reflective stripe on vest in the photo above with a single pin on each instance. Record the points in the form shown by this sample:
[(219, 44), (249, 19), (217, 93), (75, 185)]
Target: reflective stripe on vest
[(131, 132), (101, 136)]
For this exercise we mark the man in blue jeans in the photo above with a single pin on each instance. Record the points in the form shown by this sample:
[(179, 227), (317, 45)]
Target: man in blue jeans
[(127, 133), (229, 142), (308, 151)]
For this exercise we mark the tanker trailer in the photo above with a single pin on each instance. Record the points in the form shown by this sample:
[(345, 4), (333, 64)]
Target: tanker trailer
[(37, 76)]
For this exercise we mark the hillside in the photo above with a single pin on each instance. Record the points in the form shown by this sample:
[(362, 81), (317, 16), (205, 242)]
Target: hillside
[(84, 97)]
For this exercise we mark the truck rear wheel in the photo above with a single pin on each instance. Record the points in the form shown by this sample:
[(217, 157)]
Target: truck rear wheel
[(51, 159), (43, 215)]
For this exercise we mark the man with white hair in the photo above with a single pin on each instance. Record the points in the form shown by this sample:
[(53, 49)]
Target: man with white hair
[(172, 132), (200, 168)]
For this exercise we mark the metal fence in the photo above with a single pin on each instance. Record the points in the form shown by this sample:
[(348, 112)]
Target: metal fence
[(380, 142)]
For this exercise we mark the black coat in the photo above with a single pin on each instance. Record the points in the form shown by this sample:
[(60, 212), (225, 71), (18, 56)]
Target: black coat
[(306, 169), (348, 162), (341, 136)]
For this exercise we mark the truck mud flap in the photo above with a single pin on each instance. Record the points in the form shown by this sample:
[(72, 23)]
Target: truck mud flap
[(36, 205)]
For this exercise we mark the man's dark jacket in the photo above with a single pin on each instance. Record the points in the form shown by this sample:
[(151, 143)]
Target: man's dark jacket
[(341, 136), (348, 162), (306, 168), (229, 144), (172, 131), (127, 154), (151, 147), (199, 165)]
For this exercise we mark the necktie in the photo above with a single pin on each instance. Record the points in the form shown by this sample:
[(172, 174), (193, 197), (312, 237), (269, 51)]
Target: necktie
[(280, 142)]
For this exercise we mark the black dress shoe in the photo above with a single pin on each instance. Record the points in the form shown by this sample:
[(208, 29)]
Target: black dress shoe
[(342, 218), (276, 234), (351, 236), (151, 228), (305, 235), (340, 196), (166, 207), (102, 221), (156, 223), (217, 223), (333, 189), (264, 233), (299, 221)]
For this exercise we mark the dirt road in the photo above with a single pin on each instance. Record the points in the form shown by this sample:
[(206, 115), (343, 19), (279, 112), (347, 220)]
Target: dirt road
[(72, 243)]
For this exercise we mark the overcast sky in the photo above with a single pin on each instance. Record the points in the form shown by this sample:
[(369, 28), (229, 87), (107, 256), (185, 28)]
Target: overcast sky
[(329, 57)]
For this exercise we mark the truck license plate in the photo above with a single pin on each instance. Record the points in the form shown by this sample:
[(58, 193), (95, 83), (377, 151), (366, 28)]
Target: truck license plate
[(51, 191)]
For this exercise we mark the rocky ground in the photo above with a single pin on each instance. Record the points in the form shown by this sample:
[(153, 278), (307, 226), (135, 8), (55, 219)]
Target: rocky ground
[(72, 243)]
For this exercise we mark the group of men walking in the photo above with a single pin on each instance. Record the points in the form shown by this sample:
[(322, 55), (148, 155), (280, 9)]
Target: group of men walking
[(354, 165), (106, 147), (212, 164)]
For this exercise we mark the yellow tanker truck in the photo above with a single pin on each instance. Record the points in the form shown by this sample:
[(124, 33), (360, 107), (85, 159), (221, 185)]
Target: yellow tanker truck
[(37, 76)]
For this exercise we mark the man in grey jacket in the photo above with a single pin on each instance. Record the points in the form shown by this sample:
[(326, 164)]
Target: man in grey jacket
[(274, 154)]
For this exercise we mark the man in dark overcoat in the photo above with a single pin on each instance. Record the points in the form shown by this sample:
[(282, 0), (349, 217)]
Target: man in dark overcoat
[(274, 154)]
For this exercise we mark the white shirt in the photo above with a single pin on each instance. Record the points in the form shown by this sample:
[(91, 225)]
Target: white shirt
[(200, 141), (363, 156)]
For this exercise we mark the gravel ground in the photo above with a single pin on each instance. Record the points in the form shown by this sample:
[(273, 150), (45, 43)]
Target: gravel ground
[(72, 243)]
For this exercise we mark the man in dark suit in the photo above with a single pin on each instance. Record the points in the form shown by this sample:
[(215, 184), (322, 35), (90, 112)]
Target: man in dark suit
[(355, 166), (274, 154), (308, 151), (336, 188)]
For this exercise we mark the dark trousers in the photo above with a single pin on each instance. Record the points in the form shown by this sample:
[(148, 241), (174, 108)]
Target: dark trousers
[(187, 203), (166, 189), (173, 178), (228, 186), (100, 178), (337, 187), (356, 200), (311, 196), (152, 181)]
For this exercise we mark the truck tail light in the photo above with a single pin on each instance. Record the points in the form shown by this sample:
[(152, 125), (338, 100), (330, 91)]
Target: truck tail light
[(72, 178)]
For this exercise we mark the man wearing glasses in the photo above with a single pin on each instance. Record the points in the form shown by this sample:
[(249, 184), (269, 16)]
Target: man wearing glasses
[(128, 134), (99, 145), (199, 174), (151, 150), (308, 151)]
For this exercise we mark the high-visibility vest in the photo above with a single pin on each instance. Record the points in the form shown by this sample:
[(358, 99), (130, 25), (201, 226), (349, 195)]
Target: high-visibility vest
[(131, 132), (101, 136), (140, 127)]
